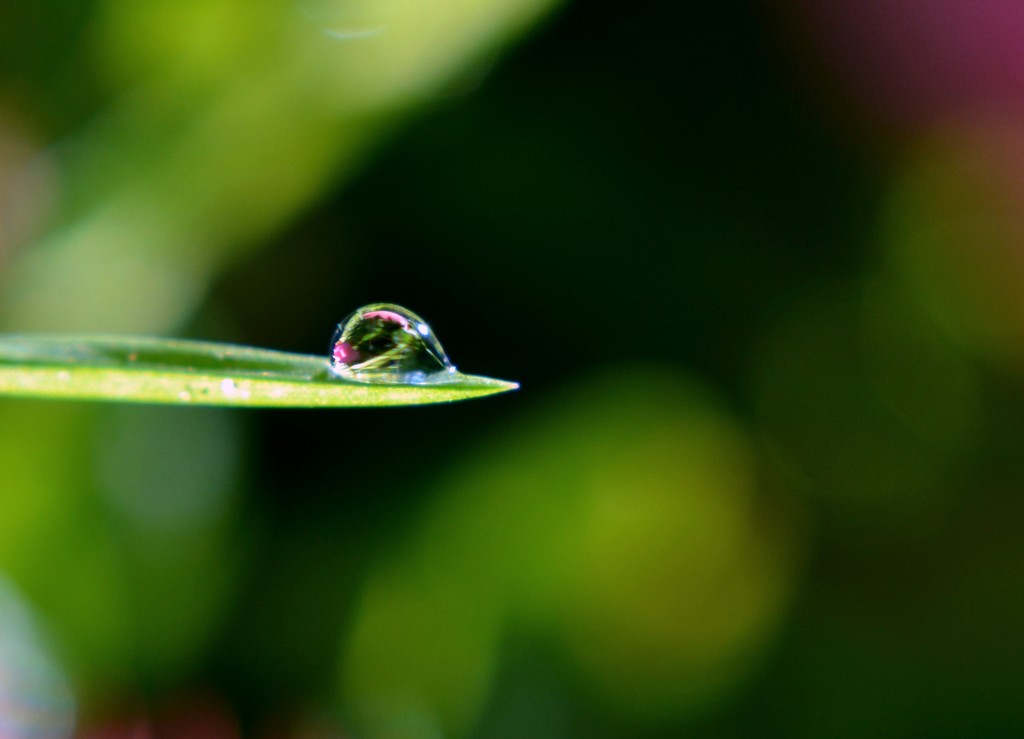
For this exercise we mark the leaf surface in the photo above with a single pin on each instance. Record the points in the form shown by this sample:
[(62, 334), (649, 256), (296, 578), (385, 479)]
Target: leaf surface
[(134, 369)]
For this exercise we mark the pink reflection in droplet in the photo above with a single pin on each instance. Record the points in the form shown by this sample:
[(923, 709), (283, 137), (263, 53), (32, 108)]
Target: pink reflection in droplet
[(387, 315), (344, 353)]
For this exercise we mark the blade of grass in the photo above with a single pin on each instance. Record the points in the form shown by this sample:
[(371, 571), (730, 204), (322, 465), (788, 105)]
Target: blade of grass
[(132, 369)]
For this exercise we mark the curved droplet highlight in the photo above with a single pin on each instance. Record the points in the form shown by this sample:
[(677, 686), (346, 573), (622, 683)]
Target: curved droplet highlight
[(388, 344)]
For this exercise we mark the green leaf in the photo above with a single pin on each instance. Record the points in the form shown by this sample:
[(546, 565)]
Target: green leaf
[(133, 369)]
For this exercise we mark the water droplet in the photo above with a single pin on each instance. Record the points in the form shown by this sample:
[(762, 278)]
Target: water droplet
[(388, 344)]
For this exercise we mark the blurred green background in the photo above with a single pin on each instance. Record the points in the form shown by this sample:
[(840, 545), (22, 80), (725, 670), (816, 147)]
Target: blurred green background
[(756, 265)]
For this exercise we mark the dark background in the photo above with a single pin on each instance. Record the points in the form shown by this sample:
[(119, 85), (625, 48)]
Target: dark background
[(755, 271)]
